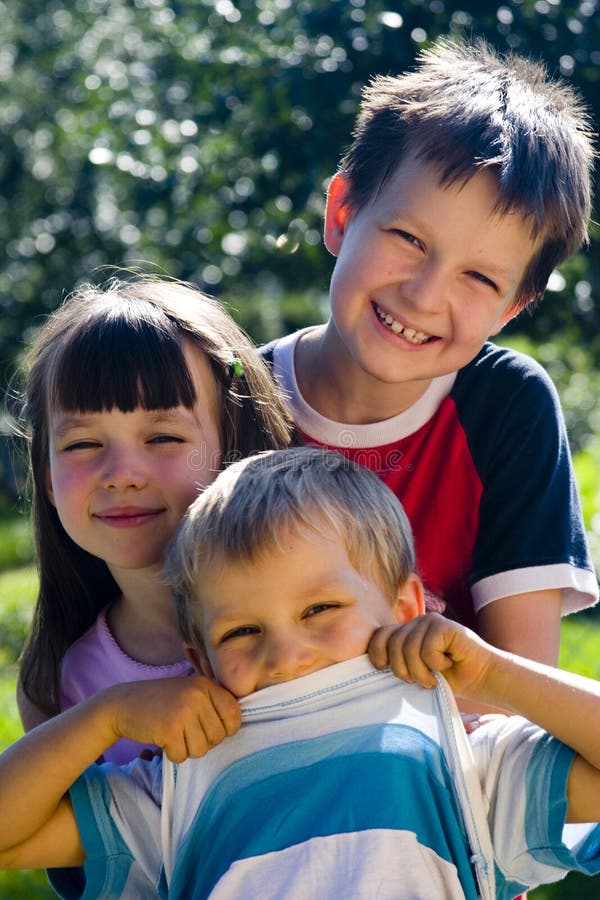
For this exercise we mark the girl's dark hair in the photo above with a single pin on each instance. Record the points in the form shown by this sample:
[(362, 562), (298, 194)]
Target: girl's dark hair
[(119, 347)]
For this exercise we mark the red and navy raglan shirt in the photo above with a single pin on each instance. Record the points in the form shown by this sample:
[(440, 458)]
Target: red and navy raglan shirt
[(481, 464)]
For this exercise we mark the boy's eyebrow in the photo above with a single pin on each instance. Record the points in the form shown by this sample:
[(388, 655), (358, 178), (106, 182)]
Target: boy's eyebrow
[(333, 588)]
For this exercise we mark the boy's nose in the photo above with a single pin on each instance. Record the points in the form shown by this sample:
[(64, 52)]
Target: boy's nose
[(425, 288), (287, 657)]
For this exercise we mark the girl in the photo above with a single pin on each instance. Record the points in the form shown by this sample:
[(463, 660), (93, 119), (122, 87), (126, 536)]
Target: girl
[(136, 396)]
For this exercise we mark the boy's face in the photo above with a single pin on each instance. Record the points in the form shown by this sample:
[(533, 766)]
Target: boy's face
[(292, 612), (424, 274)]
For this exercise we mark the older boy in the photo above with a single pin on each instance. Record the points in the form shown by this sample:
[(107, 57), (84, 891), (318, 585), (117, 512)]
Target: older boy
[(467, 182), (343, 783)]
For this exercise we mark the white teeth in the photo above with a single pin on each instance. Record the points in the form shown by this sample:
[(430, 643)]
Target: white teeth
[(414, 337)]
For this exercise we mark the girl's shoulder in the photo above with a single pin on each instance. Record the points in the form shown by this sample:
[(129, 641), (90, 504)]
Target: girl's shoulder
[(96, 661)]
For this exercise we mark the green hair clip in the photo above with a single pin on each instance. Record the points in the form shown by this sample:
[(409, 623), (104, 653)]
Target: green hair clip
[(236, 367)]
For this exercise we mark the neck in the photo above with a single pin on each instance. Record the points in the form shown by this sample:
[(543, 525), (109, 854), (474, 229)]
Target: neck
[(334, 385), (143, 620)]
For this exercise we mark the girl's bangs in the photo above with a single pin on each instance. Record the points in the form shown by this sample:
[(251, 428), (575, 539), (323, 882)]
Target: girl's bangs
[(116, 363)]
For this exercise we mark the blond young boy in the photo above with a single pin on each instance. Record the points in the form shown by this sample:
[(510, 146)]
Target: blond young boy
[(343, 781), (466, 184)]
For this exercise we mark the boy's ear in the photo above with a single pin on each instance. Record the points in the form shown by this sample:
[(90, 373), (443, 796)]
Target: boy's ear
[(336, 213), (410, 600), (510, 314), (197, 657)]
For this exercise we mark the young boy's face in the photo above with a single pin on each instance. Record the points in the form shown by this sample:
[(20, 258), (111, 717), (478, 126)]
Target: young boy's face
[(292, 612), (424, 274)]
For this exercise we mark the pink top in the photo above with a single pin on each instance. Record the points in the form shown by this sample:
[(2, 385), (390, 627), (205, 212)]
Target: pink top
[(96, 661)]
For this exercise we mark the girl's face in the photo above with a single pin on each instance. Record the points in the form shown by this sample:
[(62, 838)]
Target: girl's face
[(121, 482)]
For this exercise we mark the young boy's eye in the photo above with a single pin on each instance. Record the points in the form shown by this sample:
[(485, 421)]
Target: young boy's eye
[(242, 631), (317, 608)]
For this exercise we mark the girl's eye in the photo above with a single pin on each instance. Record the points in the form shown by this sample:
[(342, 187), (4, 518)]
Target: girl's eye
[(242, 631), (80, 445), (166, 439)]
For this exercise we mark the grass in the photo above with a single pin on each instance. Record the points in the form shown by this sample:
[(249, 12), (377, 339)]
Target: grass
[(15, 540), (17, 591), (580, 652)]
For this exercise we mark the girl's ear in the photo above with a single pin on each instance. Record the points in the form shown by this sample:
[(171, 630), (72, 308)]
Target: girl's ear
[(197, 657), (48, 485), (410, 600), (337, 212)]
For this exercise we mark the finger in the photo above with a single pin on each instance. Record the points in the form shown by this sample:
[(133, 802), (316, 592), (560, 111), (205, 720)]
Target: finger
[(177, 750), (436, 650), (416, 649), (197, 744), (377, 648), (471, 722), (397, 657), (227, 708), (210, 726), (217, 716)]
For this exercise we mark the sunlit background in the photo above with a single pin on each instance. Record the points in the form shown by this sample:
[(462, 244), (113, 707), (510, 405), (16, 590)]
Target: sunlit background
[(196, 139)]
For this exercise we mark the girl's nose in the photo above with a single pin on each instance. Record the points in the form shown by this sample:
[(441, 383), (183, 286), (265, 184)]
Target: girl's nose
[(122, 469)]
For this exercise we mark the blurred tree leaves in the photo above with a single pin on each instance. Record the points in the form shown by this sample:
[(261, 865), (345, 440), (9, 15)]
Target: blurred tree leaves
[(196, 138)]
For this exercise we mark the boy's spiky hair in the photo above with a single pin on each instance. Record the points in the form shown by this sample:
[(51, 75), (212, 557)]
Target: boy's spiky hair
[(465, 108)]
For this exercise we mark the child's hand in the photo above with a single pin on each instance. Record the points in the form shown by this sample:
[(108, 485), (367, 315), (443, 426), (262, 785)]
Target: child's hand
[(432, 643), (185, 716)]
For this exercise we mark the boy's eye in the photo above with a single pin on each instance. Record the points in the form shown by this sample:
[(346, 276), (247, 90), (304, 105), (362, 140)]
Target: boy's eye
[(484, 280), (242, 631), (407, 236), (317, 608)]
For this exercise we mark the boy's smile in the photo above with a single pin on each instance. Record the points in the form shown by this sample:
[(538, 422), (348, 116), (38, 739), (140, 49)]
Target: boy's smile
[(294, 610), (424, 275)]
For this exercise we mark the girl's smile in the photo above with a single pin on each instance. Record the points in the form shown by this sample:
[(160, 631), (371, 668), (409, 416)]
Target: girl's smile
[(128, 516)]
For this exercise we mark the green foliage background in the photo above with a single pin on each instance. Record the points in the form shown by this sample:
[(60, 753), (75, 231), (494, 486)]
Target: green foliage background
[(196, 138)]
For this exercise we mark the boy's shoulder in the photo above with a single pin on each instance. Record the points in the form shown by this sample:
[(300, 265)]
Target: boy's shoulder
[(505, 361), (503, 378), (267, 352)]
